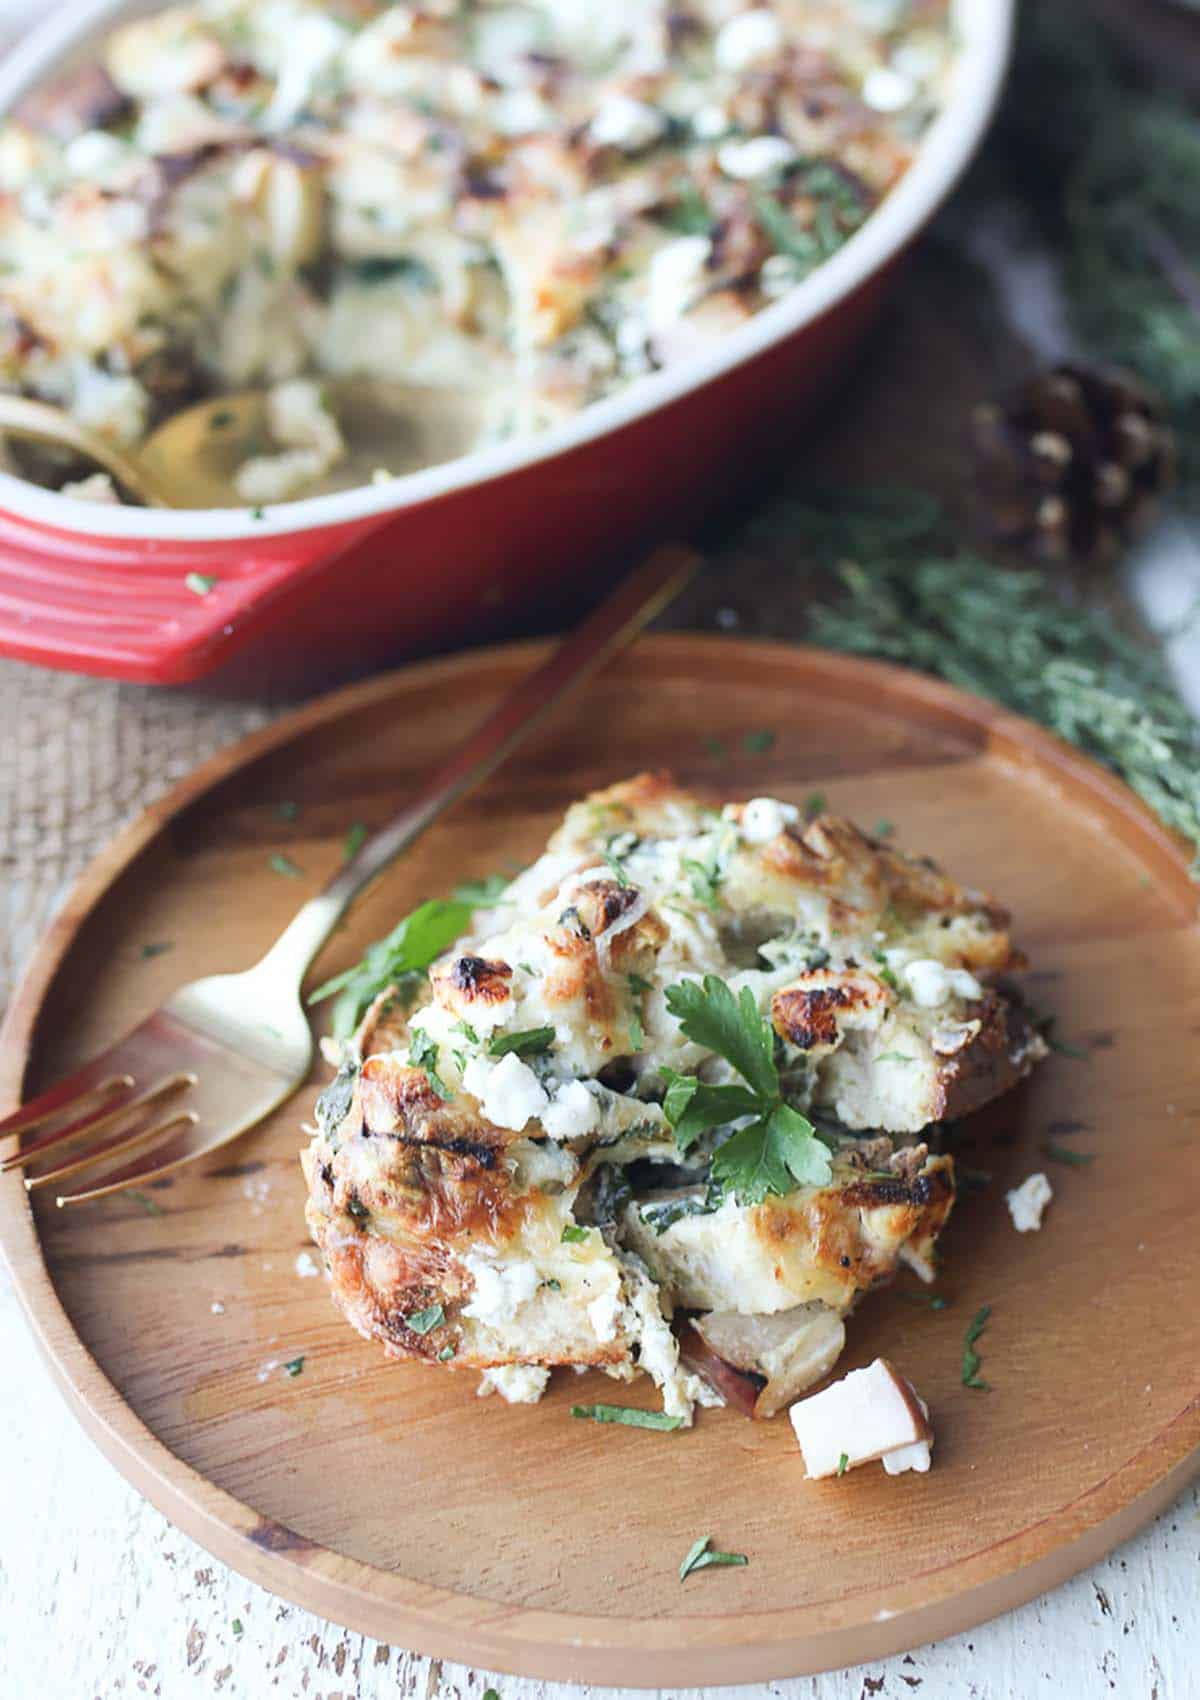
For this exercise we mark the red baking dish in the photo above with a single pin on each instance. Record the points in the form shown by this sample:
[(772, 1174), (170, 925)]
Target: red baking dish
[(335, 583)]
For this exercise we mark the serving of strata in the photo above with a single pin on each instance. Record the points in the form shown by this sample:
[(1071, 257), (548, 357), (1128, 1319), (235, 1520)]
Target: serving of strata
[(661, 1108)]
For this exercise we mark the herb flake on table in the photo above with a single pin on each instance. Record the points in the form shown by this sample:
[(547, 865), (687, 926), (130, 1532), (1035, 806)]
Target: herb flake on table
[(201, 584), (972, 1362), (159, 948), (1063, 1154), (758, 743), (815, 804), (627, 1415), (281, 864), (354, 841), (294, 1367), (145, 1203), (843, 1463), (701, 1555)]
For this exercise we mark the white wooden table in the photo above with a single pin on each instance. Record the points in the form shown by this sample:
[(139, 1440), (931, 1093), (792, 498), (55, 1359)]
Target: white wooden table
[(101, 1597)]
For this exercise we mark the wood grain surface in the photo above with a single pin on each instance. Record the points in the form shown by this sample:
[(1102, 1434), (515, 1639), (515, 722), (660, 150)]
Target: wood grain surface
[(393, 1500)]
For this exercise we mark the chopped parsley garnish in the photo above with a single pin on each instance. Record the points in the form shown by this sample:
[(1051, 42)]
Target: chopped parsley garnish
[(664, 1215), (151, 950), (972, 1362), (468, 1032), (572, 1234), (886, 973), (627, 1415), (1063, 1154), (236, 1626), (398, 960), (529, 1043), (758, 743), (223, 417), (716, 748), (447, 1352), (295, 1367), (702, 1556), (423, 1054), (287, 810), (938, 1303), (425, 1321), (883, 829), (201, 583), (843, 1463), (483, 893), (689, 213), (281, 864), (355, 839), (815, 804), (146, 1203), (777, 1150), (1061, 1046)]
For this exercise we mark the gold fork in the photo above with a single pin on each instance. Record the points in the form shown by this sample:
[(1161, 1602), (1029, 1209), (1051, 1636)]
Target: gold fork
[(223, 1052)]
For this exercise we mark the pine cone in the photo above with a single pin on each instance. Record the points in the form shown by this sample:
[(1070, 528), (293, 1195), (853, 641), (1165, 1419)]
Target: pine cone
[(1074, 463)]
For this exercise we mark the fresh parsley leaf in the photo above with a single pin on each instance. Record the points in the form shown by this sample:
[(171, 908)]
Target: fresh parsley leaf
[(447, 1352), (468, 1032), (148, 951), (692, 1108), (530, 1043), (660, 1217), (843, 1463), (704, 879), (775, 1154), (688, 213), (710, 1015), (423, 1054), (702, 1556), (1064, 1154), (627, 1415), (425, 1321), (615, 868), (972, 1362), (295, 1367), (355, 839), (146, 1203), (716, 748), (200, 584), (281, 864), (236, 1626), (815, 804), (572, 1234), (883, 829), (758, 743), (398, 960)]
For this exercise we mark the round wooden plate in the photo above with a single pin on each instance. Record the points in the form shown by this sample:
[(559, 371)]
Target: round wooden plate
[(392, 1500)]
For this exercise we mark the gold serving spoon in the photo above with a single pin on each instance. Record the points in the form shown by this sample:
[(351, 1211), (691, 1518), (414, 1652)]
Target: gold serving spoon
[(191, 460)]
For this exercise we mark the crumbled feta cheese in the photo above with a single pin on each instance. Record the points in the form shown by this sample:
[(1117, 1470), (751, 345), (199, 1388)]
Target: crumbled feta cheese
[(310, 438), (870, 1413), (625, 123), (748, 39), (779, 273), (709, 122), (1027, 1203), (573, 1111), (500, 1288), (675, 278), (758, 156), (764, 818), (97, 487), (885, 90), (932, 983), (519, 1384), (509, 1092), (307, 1265), (603, 1314)]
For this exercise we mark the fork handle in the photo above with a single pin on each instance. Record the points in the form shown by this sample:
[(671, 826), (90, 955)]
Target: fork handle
[(618, 620)]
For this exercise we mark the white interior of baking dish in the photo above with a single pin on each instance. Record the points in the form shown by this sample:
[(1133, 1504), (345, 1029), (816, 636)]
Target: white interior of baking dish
[(984, 28)]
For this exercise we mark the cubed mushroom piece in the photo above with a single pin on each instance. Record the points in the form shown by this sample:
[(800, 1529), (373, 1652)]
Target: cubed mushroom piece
[(870, 1413), (793, 1349)]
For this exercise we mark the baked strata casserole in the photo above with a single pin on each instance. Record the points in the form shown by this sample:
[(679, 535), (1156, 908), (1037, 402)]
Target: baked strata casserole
[(532, 202), (680, 1070)]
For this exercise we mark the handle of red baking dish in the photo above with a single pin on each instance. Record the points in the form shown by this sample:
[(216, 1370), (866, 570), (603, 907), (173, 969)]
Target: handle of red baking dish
[(154, 611)]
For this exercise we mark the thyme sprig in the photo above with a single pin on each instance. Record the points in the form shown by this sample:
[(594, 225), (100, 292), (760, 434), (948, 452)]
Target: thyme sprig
[(912, 593)]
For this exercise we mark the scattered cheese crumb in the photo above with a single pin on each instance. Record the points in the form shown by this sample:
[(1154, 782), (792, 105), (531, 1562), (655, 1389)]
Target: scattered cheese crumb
[(625, 123), (764, 818), (932, 983), (757, 156), (519, 1384), (1027, 1203), (509, 1092), (748, 39), (217, 1308), (306, 1264), (870, 1413), (572, 1112)]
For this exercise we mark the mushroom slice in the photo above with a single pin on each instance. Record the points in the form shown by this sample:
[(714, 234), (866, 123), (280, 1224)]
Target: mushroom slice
[(792, 1349)]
